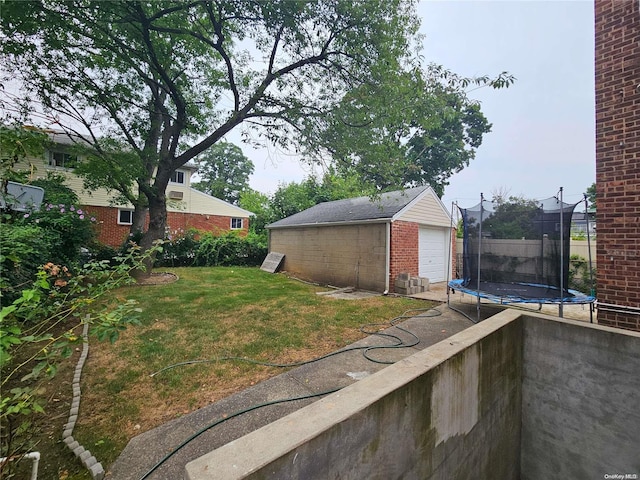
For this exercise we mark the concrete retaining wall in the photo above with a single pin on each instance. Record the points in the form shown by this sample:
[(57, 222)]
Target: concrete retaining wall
[(581, 392), (450, 411), (518, 396)]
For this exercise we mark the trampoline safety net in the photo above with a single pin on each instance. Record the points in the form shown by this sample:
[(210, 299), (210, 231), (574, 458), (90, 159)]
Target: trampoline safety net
[(518, 251)]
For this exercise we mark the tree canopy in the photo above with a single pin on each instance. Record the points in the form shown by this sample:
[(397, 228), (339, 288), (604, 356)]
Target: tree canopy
[(225, 172), (405, 129)]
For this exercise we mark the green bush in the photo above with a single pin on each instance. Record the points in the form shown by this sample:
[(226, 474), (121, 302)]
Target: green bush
[(179, 249), (23, 249), (68, 227), (59, 232), (230, 249), (579, 277), (204, 249)]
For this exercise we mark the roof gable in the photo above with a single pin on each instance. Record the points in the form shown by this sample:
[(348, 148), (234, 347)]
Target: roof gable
[(357, 210)]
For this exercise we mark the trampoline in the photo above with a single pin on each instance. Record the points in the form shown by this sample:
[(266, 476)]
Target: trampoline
[(517, 251)]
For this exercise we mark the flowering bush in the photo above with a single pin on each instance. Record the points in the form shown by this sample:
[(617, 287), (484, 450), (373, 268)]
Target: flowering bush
[(39, 328), (68, 228), (56, 233)]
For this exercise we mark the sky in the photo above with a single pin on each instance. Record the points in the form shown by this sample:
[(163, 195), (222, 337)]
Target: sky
[(543, 134)]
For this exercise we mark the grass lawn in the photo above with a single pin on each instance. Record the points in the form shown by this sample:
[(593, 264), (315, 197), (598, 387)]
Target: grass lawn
[(208, 313)]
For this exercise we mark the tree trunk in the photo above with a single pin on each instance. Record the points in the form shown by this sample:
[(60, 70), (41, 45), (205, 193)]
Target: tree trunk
[(139, 218), (156, 230)]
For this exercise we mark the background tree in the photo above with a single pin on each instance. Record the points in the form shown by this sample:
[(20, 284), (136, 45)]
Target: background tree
[(406, 128), (258, 203), (172, 78), (225, 172), (513, 218), (591, 195)]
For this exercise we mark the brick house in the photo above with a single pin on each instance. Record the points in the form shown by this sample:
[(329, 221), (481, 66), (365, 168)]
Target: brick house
[(186, 207), (366, 243), (617, 82)]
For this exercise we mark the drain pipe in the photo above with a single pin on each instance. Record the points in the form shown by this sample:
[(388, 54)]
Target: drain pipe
[(34, 456), (387, 260)]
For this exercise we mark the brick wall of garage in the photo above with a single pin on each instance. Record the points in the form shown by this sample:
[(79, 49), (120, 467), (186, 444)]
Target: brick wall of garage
[(404, 250)]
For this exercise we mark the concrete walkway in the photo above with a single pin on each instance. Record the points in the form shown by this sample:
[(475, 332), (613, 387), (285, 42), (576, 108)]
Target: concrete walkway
[(146, 450)]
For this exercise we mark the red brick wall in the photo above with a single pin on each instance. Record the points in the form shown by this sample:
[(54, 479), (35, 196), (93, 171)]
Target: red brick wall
[(404, 250), (617, 70), (110, 233), (107, 228)]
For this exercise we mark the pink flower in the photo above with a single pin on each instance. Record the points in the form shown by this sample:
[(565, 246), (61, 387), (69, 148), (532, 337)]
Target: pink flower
[(93, 219), (79, 212), (72, 208), (26, 215), (81, 217), (62, 210)]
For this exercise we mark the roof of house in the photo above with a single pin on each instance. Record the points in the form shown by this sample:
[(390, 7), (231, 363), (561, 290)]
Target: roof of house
[(354, 210)]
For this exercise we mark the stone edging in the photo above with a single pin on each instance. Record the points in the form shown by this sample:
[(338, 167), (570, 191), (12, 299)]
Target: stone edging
[(85, 456)]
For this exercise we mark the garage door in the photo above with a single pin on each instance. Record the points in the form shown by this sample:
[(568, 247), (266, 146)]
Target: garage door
[(433, 254)]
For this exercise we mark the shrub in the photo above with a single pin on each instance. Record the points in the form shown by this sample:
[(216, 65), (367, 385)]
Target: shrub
[(230, 249), (179, 249), (21, 252), (40, 327), (68, 227), (579, 278)]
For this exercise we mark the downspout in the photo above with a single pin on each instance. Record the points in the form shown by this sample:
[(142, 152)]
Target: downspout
[(387, 266)]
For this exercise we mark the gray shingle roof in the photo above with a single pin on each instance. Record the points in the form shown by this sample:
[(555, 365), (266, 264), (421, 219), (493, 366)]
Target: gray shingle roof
[(354, 210)]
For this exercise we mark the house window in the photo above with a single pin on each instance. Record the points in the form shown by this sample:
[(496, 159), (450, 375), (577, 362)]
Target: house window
[(62, 160), (177, 177), (236, 224), (125, 217)]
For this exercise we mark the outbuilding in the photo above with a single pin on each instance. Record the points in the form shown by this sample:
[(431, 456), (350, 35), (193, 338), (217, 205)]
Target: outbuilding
[(367, 242)]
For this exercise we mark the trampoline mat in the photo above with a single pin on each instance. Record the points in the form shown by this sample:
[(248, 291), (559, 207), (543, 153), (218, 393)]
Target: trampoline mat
[(522, 290), (521, 293)]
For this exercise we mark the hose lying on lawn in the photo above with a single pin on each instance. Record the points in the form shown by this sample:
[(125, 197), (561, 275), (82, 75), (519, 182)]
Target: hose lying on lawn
[(399, 343)]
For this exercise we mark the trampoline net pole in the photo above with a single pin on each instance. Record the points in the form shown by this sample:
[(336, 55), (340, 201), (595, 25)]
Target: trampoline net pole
[(561, 305), (591, 289), (479, 254)]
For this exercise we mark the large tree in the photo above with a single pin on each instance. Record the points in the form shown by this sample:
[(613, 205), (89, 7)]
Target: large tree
[(225, 171), (170, 79), (414, 127)]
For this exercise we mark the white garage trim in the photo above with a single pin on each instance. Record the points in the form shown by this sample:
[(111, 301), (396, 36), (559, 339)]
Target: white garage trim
[(433, 253)]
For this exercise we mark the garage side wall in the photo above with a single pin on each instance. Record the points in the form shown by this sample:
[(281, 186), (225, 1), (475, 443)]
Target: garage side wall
[(342, 255), (404, 250)]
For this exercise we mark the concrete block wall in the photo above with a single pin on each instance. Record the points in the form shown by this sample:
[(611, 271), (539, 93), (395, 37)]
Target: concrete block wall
[(617, 80), (339, 255)]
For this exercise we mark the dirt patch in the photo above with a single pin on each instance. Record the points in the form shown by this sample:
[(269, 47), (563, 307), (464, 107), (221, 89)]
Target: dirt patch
[(158, 278)]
